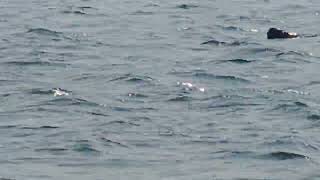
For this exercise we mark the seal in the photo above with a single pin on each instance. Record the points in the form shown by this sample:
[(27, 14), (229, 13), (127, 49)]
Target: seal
[(275, 33)]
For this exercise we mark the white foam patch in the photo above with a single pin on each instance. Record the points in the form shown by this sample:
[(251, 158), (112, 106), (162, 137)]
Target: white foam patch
[(60, 92), (191, 87)]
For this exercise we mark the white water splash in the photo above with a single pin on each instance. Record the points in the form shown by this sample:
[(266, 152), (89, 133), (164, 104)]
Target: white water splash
[(60, 92), (190, 87), (297, 92)]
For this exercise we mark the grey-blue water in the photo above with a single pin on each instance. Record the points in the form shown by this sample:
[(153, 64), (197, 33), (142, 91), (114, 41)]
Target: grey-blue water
[(94, 89)]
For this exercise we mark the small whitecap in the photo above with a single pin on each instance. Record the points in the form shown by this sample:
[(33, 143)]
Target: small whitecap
[(183, 28), (189, 85), (59, 92), (293, 91), (297, 92), (254, 30), (265, 77)]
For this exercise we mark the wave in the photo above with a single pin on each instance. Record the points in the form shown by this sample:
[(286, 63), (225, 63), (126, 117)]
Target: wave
[(74, 12), (85, 148), (44, 31), (223, 43), (65, 100), (52, 150), (137, 95), (140, 12), (181, 98), (98, 114), (54, 91), (186, 6), (132, 78), (112, 142), (239, 61), (314, 117), (232, 104), (230, 28), (294, 56), (122, 122), (35, 63), (86, 7), (295, 53), (282, 155), (293, 107), (40, 127), (221, 77), (263, 50), (291, 142), (128, 109)]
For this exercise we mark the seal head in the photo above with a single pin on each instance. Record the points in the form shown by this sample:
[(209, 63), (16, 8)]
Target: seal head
[(275, 33)]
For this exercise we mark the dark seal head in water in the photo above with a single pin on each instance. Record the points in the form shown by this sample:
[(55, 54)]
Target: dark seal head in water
[(275, 33)]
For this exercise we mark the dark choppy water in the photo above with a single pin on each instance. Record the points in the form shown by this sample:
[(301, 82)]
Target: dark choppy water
[(142, 98)]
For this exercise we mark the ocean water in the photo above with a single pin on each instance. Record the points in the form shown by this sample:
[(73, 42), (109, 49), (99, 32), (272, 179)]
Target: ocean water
[(94, 89)]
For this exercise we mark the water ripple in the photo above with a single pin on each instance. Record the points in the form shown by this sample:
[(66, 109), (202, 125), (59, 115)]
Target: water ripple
[(181, 98), (113, 142), (230, 28), (222, 43), (133, 78), (35, 63), (73, 12), (221, 77), (64, 101), (140, 12)]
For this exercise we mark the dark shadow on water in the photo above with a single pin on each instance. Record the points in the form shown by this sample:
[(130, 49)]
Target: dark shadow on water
[(40, 127), (234, 61), (181, 98), (186, 6), (314, 117), (282, 155), (85, 148), (53, 150)]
